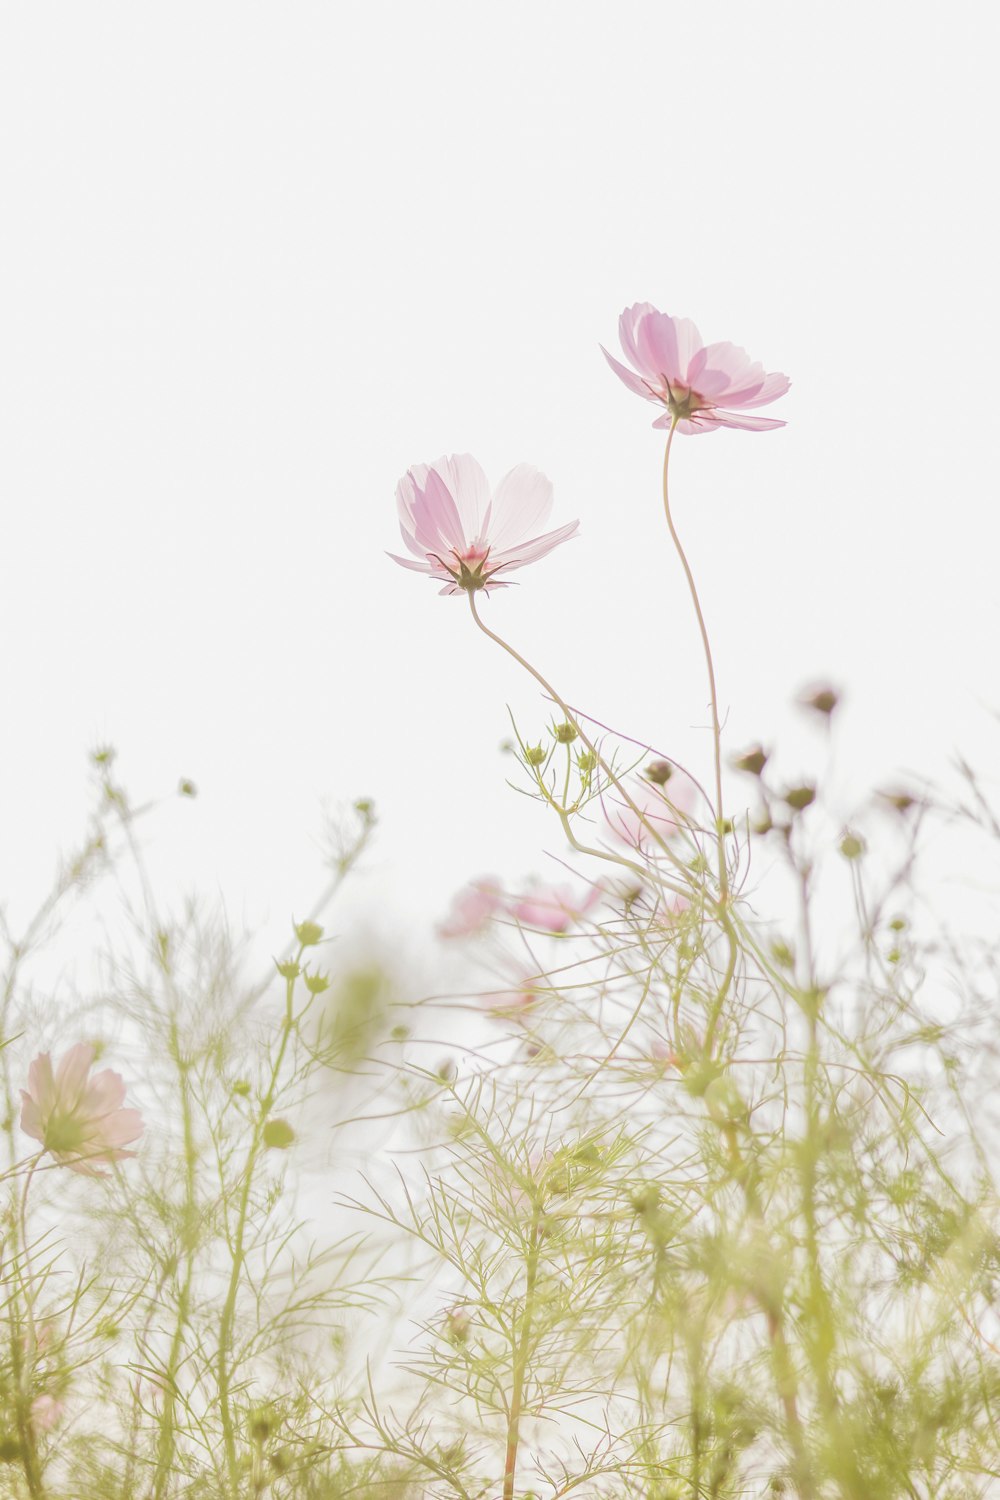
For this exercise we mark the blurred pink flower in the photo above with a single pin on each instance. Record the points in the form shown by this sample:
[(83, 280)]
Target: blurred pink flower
[(515, 1004), (554, 908), (462, 535), (472, 909), (662, 810), (46, 1411), (694, 381), (76, 1116)]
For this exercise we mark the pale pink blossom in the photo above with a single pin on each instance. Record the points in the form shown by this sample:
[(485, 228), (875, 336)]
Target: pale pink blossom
[(472, 909), (699, 384), (77, 1116), (46, 1411), (554, 908), (656, 811), (516, 1003), (463, 535)]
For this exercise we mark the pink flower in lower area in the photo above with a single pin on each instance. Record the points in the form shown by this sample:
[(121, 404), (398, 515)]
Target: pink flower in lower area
[(554, 908), (699, 384), (467, 537), (472, 909), (47, 1411), (656, 811), (76, 1115)]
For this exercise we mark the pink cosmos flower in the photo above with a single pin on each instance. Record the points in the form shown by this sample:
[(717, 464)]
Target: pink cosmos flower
[(46, 1411), (76, 1116), (472, 909), (554, 908), (464, 536), (662, 808), (698, 383)]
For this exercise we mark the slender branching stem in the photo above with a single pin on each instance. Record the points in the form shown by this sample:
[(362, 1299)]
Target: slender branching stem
[(521, 1356)]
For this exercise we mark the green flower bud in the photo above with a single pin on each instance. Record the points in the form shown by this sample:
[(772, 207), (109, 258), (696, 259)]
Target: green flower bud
[(752, 761), (659, 772), (278, 1135), (288, 970), (309, 933), (586, 760), (535, 755), (565, 733), (852, 847), (800, 797), (317, 983)]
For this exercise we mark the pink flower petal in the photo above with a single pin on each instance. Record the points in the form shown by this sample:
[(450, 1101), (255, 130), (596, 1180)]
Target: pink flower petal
[(522, 503), (634, 382)]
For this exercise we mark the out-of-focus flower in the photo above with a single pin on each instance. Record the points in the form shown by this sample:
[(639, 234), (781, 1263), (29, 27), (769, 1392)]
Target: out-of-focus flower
[(465, 537), (698, 384), (661, 810), (472, 909), (554, 908), (516, 1003), (46, 1411), (76, 1116)]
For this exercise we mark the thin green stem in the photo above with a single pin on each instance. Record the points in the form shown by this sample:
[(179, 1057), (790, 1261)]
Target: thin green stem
[(23, 1363), (228, 1319), (724, 890), (572, 719), (521, 1358)]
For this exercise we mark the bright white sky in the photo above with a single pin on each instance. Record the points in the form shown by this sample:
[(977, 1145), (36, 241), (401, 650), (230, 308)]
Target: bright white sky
[(258, 258)]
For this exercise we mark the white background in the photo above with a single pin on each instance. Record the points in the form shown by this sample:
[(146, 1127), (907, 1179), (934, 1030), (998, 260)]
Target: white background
[(258, 258)]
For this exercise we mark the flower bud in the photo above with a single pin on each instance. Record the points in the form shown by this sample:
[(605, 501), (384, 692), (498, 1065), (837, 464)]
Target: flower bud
[(659, 772), (309, 933), (800, 797), (852, 847), (752, 761), (277, 1135), (900, 799), (564, 733), (586, 760), (288, 970), (822, 700), (317, 983), (535, 755)]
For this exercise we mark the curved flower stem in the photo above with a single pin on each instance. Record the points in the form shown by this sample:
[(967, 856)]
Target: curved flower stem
[(574, 720), (724, 889), (716, 726)]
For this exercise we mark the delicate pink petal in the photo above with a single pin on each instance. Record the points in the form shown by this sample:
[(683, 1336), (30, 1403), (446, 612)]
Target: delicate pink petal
[(527, 552), (418, 567), (31, 1118), (775, 385), (465, 481), (634, 382), (522, 503), (627, 325), (121, 1128), (41, 1080), (105, 1092), (745, 424), (71, 1076)]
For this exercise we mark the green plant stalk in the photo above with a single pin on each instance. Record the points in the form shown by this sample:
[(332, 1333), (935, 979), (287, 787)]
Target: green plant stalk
[(227, 1321), (521, 1358), (166, 1443), (724, 891)]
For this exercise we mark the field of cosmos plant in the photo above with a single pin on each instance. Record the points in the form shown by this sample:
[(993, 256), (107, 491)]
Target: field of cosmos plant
[(688, 1194)]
